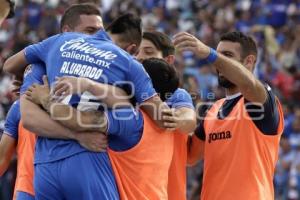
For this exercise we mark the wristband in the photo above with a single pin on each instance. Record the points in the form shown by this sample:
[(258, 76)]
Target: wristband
[(212, 57)]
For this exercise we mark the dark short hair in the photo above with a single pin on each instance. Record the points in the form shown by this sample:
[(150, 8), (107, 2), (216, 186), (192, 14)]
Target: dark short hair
[(71, 15), (161, 41), (129, 26), (164, 76), (248, 45)]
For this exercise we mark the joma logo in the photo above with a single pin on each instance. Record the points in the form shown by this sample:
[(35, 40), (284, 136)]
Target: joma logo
[(219, 136)]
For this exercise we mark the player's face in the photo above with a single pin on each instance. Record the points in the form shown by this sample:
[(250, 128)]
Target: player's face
[(89, 24), (231, 50), (148, 50)]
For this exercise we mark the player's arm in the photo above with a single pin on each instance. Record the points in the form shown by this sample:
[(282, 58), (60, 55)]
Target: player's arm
[(9, 137), (145, 95), (108, 94), (196, 144), (66, 115), (182, 115), (16, 64), (229, 68), (186, 119), (7, 149), (35, 53), (183, 119), (36, 120), (154, 108)]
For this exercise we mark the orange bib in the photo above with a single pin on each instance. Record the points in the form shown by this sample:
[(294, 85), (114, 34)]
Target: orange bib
[(239, 160), (177, 172), (25, 154), (142, 171)]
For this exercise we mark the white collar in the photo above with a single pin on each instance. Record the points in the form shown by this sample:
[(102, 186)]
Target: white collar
[(233, 96)]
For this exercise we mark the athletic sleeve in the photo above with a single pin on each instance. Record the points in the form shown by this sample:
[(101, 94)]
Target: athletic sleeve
[(143, 88), (124, 122), (265, 117), (36, 53), (12, 120), (180, 98), (33, 75)]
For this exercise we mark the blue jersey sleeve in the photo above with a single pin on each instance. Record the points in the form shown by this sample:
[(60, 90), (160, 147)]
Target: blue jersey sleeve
[(12, 120), (124, 121), (37, 52), (34, 74), (143, 88), (180, 98), (125, 128)]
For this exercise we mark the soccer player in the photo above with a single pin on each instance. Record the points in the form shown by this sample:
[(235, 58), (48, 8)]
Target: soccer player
[(240, 133), (97, 58), (6, 9), (126, 32), (17, 138), (140, 152), (159, 45)]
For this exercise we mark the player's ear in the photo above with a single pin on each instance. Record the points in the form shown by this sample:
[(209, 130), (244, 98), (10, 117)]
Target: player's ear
[(131, 49), (249, 62), (170, 59), (66, 28)]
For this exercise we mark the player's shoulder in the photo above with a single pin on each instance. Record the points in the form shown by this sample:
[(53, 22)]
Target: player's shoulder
[(181, 91)]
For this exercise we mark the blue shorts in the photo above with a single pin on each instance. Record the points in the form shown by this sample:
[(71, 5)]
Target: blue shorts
[(24, 196), (86, 175)]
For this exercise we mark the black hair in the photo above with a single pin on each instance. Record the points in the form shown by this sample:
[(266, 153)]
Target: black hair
[(248, 45), (71, 15), (161, 41), (164, 76), (129, 26)]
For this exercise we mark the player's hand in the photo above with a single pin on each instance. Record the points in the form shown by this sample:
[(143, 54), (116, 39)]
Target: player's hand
[(92, 141), (186, 42), (68, 85), (170, 119), (39, 94)]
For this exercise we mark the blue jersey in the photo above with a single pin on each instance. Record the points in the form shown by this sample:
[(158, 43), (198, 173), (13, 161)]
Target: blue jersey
[(94, 57), (13, 117)]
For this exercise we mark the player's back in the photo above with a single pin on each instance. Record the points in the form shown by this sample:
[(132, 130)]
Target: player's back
[(95, 57)]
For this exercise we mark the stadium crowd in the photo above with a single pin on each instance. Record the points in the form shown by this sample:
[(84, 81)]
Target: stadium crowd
[(273, 23)]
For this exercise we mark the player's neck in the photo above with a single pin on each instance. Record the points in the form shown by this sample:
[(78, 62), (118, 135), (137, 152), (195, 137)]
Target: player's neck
[(231, 91)]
